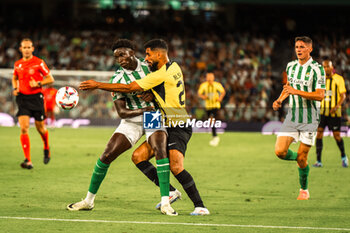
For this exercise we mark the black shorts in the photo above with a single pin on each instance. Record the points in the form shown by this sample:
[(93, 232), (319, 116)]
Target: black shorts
[(178, 138), (333, 123), (212, 112), (31, 105)]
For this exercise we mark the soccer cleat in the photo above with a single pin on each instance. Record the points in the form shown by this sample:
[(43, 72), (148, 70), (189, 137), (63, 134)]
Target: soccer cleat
[(81, 205), (303, 195), (317, 164), (173, 196), (26, 164), (215, 141), (345, 161), (168, 210), (47, 156), (200, 211)]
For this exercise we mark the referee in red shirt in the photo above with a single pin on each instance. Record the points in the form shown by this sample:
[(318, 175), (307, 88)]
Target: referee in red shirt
[(30, 74)]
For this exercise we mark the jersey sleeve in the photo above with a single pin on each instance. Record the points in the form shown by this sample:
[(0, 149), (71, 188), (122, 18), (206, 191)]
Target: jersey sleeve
[(201, 89), (43, 68), (117, 78), (152, 79), (15, 70), (220, 88), (321, 78), (341, 85)]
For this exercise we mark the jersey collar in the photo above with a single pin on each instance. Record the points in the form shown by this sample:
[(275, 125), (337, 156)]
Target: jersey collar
[(307, 63), (138, 68)]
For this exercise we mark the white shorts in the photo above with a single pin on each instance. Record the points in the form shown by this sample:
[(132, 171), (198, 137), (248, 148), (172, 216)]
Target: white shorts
[(133, 131), (306, 133)]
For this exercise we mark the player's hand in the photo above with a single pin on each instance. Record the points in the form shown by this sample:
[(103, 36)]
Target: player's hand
[(33, 83), (146, 96), (15, 92), (88, 85), (288, 89), (333, 110), (276, 105), (149, 109)]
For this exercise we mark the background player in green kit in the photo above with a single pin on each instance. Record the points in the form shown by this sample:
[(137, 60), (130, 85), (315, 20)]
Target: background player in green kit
[(305, 88)]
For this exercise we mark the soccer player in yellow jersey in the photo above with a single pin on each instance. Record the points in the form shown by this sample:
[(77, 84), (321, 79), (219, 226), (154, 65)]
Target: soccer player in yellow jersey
[(331, 112), (166, 83), (213, 93)]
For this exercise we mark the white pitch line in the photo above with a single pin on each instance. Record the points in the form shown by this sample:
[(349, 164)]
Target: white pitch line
[(176, 223)]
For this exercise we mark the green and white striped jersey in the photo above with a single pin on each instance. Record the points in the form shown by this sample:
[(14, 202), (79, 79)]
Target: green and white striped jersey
[(126, 77), (307, 77)]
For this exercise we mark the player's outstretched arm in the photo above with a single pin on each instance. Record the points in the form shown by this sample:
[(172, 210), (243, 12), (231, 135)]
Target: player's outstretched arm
[(123, 112), (278, 103), (112, 87)]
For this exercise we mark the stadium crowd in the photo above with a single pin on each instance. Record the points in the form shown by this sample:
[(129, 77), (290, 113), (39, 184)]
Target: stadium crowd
[(241, 63)]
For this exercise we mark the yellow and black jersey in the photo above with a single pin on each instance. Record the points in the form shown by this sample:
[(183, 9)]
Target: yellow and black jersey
[(167, 85), (334, 88), (213, 92)]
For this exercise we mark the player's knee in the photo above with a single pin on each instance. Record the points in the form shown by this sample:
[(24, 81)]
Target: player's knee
[(302, 160), (160, 152), (176, 168), (337, 137), (25, 129), (136, 157), (280, 153)]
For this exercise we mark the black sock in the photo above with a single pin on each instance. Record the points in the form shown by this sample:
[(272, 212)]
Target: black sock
[(319, 146), (214, 131), (189, 186), (341, 147), (150, 171)]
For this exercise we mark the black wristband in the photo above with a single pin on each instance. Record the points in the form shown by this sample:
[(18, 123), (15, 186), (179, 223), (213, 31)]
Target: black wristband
[(39, 84)]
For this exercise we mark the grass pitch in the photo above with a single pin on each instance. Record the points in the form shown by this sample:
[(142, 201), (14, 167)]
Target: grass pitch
[(241, 182)]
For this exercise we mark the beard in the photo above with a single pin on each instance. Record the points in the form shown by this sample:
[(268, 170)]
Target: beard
[(154, 66)]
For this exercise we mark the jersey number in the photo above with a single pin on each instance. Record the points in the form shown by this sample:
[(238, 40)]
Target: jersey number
[(181, 94)]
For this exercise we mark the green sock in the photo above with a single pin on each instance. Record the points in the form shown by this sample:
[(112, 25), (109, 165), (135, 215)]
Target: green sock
[(303, 177), (163, 172), (291, 155), (98, 175)]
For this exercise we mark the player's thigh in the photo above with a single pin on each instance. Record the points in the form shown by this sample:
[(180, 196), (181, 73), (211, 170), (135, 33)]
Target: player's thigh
[(176, 159), (142, 153), (116, 145), (131, 130), (283, 143), (158, 142), (23, 121)]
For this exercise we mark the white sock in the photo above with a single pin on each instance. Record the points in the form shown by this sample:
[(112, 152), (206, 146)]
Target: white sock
[(165, 200), (90, 197)]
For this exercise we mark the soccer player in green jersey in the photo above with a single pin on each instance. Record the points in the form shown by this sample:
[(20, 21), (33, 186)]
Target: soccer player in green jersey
[(166, 83), (305, 88), (130, 108)]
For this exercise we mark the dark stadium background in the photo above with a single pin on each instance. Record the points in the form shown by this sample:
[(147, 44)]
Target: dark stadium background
[(247, 43)]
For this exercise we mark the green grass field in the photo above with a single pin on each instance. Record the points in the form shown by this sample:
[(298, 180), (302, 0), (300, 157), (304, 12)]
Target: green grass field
[(241, 182)]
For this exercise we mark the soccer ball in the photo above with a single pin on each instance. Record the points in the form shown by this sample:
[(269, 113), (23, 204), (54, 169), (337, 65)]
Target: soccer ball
[(67, 98)]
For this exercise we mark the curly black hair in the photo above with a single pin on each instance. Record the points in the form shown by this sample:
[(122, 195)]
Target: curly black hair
[(123, 43)]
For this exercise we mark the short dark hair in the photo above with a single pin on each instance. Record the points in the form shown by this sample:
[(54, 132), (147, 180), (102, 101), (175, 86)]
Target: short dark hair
[(123, 43), (26, 39), (156, 44), (305, 39)]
